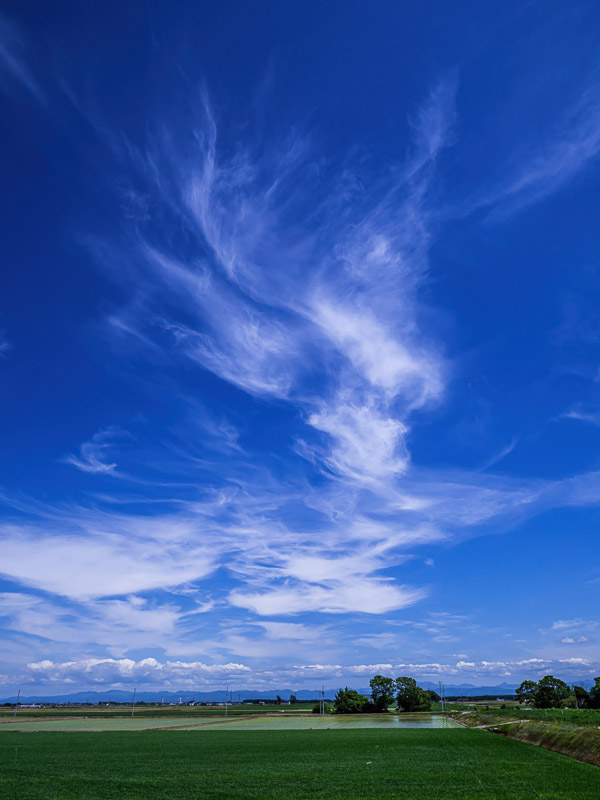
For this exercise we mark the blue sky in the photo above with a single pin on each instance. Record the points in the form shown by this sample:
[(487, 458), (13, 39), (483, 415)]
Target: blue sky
[(300, 344)]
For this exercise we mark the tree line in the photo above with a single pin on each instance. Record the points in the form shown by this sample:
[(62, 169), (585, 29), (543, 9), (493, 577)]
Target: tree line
[(551, 692), (406, 695), (403, 692)]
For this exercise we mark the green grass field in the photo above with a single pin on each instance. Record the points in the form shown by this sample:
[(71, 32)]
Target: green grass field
[(409, 764)]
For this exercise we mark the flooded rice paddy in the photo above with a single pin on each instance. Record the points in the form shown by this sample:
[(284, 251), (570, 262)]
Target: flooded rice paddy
[(264, 722)]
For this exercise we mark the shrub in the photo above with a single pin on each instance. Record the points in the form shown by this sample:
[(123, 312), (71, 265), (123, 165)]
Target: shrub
[(349, 701)]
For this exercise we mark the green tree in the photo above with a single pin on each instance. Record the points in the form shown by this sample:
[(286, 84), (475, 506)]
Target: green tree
[(410, 696), (433, 696), (582, 697), (382, 692), (349, 701), (594, 694), (568, 702), (278, 700), (550, 692), (292, 699), (526, 691)]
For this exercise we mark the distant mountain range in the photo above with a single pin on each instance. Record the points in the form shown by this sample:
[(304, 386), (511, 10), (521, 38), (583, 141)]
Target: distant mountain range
[(463, 689), (166, 697), (219, 696)]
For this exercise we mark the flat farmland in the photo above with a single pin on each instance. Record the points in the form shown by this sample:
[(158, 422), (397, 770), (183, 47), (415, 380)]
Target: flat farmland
[(243, 722), (103, 724), (153, 711), (162, 765)]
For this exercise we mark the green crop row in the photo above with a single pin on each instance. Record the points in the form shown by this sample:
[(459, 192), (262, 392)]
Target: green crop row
[(424, 764)]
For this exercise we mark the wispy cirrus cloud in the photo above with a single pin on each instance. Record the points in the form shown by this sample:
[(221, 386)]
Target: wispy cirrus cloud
[(544, 166), (364, 595), (299, 286), (583, 414), (116, 625), (93, 452), (13, 63), (4, 345), (344, 307), (67, 554)]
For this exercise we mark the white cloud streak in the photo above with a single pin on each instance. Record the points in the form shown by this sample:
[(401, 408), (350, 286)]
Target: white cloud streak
[(345, 299), (554, 159), (13, 65), (104, 555), (92, 453)]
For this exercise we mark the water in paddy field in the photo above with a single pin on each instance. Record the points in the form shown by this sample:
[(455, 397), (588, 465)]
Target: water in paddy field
[(341, 722), (270, 722)]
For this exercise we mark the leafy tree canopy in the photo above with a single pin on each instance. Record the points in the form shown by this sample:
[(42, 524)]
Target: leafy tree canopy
[(551, 692), (582, 697), (382, 692), (526, 692), (349, 701), (595, 694), (410, 696)]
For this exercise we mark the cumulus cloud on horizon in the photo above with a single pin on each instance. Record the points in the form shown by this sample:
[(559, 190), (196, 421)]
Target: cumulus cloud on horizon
[(185, 675)]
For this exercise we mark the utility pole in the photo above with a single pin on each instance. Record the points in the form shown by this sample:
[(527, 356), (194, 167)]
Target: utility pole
[(226, 696), (133, 702), (17, 703)]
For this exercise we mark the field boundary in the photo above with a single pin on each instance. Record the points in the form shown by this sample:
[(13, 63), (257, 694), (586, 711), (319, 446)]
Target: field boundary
[(580, 744)]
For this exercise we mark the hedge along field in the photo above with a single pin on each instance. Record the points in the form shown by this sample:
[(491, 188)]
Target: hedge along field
[(412, 764)]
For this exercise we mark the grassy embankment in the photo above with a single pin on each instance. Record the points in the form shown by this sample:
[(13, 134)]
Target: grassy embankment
[(571, 732), (423, 764)]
